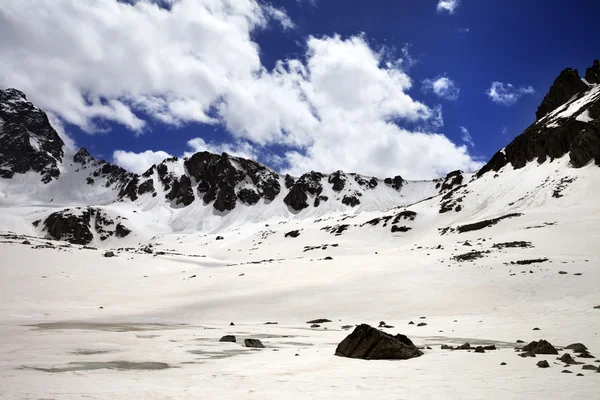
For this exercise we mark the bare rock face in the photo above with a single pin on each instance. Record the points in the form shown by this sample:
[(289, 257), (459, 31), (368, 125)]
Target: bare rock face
[(368, 343), (395, 182), (218, 176), (451, 181), (181, 191), (309, 183), (337, 180), (565, 86), (27, 140)]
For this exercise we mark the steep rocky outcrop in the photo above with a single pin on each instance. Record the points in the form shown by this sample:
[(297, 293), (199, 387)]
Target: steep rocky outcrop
[(567, 85), (574, 129), (309, 183), (27, 140), (592, 74), (368, 343)]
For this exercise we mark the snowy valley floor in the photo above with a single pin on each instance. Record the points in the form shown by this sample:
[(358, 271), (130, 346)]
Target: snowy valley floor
[(75, 324)]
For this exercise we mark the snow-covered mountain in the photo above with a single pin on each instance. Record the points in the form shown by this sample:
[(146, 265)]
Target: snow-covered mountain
[(47, 190), (213, 245)]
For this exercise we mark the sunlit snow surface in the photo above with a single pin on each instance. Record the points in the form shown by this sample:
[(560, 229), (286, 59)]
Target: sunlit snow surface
[(156, 335)]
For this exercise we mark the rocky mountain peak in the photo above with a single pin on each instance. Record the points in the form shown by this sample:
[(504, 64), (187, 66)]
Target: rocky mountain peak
[(592, 75), (567, 85), (568, 122), (27, 140), (83, 156)]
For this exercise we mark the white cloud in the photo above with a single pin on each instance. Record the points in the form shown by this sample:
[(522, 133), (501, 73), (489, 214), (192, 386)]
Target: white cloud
[(443, 87), (466, 136), (506, 93), (341, 105), (448, 6), (138, 162), (238, 149)]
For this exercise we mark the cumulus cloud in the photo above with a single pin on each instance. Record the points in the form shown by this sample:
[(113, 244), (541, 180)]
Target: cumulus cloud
[(442, 86), (448, 6), (138, 162), (506, 93), (238, 149), (466, 136), (341, 105)]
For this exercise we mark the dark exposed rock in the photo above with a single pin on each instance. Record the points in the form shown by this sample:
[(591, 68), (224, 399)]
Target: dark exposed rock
[(592, 74), (396, 228), (490, 347), (566, 371), (577, 347), (395, 182), (228, 338), (502, 363), (338, 180), (289, 181), (293, 234), (315, 326), (309, 183), (541, 347), (72, 227), (218, 175), (590, 367), (248, 196), (146, 187), (319, 199), (351, 200), (527, 354), (27, 140), (181, 191), (422, 324), (512, 245), (532, 261), (564, 88), (370, 183), (452, 180), (567, 359), (109, 254), (585, 354), (318, 321), (484, 224), (219, 238), (254, 343), (479, 349), (543, 364), (121, 230), (470, 256), (368, 343)]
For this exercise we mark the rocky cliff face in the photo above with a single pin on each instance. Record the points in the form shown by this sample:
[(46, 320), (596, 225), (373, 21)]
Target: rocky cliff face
[(27, 140), (568, 122)]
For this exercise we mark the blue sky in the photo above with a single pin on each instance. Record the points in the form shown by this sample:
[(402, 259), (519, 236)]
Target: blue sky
[(472, 43)]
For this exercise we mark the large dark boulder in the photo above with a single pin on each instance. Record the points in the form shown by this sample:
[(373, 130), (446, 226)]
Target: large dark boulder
[(248, 196), (368, 343), (564, 88), (541, 347), (74, 227)]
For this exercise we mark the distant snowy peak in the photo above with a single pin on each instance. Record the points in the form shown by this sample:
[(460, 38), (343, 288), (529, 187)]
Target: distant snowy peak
[(27, 140), (568, 122)]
